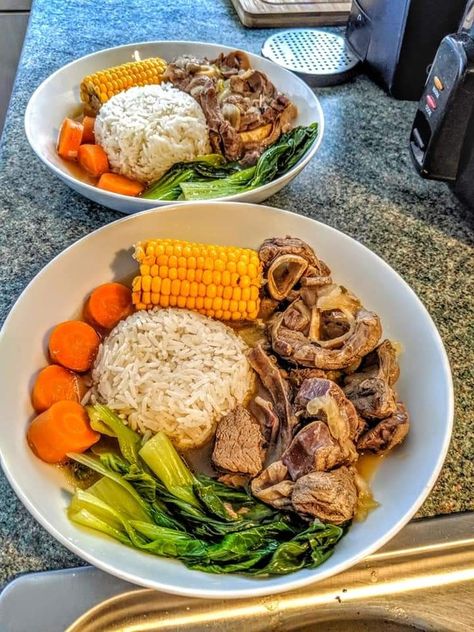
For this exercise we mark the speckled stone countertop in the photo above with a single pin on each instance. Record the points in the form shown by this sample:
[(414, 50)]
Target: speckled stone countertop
[(361, 182)]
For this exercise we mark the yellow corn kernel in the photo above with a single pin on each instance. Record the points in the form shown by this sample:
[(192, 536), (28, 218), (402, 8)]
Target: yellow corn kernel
[(181, 302), (173, 301), (226, 315), (190, 302), (207, 303), (236, 293), (175, 287), (207, 277), (166, 287), (173, 273), (211, 290), (199, 302), (217, 303), (156, 284)]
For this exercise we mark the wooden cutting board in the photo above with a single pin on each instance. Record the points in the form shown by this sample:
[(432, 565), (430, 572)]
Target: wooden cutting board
[(274, 13)]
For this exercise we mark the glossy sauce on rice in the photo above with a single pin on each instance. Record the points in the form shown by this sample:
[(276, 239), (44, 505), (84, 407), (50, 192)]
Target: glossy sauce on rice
[(172, 370)]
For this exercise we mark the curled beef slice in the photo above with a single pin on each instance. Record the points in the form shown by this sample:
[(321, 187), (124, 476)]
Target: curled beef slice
[(239, 443), (279, 391), (387, 433), (312, 448), (295, 347), (370, 387), (273, 487), (329, 496), (319, 397)]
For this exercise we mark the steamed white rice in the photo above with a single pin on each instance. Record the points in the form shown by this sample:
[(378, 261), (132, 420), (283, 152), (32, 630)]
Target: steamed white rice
[(172, 370), (147, 129)]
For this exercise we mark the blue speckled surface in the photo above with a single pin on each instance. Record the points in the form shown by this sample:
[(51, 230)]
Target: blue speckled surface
[(361, 182)]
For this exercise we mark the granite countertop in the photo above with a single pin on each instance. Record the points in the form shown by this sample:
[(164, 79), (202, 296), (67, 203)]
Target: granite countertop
[(361, 182)]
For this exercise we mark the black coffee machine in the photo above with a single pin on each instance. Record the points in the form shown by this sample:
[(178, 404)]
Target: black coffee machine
[(442, 136), (398, 39)]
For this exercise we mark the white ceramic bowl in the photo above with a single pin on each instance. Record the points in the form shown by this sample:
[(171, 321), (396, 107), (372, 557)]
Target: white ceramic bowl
[(402, 481), (58, 97)]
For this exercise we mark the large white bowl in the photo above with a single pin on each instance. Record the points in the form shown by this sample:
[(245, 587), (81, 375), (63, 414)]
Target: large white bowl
[(58, 97), (402, 481)]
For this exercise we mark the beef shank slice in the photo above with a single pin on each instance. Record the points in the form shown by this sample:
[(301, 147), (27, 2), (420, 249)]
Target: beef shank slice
[(239, 443)]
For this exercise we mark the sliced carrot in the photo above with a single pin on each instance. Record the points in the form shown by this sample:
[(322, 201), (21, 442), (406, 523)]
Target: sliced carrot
[(108, 305), (54, 384), (88, 135), (74, 345), (61, 429), (119, 184), (93, 159), (69, 139)]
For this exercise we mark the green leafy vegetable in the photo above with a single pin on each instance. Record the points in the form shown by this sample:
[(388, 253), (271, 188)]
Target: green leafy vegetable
[(207, 177), (148, 499)]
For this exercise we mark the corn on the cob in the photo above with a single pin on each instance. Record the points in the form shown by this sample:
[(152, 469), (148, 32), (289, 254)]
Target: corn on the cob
[(97, 88), (219, 281)]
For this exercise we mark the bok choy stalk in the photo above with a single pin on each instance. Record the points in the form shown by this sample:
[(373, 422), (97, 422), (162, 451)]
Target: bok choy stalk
[(103, 420)]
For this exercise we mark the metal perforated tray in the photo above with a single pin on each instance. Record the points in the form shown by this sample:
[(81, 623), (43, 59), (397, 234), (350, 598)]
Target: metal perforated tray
[(318, 57)]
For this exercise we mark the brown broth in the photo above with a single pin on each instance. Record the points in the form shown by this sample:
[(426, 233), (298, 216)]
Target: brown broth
[(368, 464)]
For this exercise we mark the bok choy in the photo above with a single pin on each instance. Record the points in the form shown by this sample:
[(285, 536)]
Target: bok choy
[(208, 177), (147, 498)]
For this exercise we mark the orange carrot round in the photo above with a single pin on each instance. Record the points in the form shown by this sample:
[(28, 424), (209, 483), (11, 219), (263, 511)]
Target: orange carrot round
[(108, 305), (88, 135), (61, 429), (119, 184), (69, 139), (54, 384), (74, 345), (93, 159)]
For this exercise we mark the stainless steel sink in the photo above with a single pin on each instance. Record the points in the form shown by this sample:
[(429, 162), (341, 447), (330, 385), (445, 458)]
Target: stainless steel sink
[(422, 580)]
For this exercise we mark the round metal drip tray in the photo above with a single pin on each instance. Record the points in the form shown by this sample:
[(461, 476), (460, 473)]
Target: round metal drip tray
[(320, 58)]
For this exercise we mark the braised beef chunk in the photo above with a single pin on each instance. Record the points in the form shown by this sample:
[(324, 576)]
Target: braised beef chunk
[(239, 443), (297, 348), (236, 100), (279, 390), (387, 433), (298, 376), (273, 487), (234, 480), (313, 448), (370, 387), (323, 399), (329, 496)]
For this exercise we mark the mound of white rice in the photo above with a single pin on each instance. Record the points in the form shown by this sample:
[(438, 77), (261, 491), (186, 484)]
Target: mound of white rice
[(172, 370), (147, 129)]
